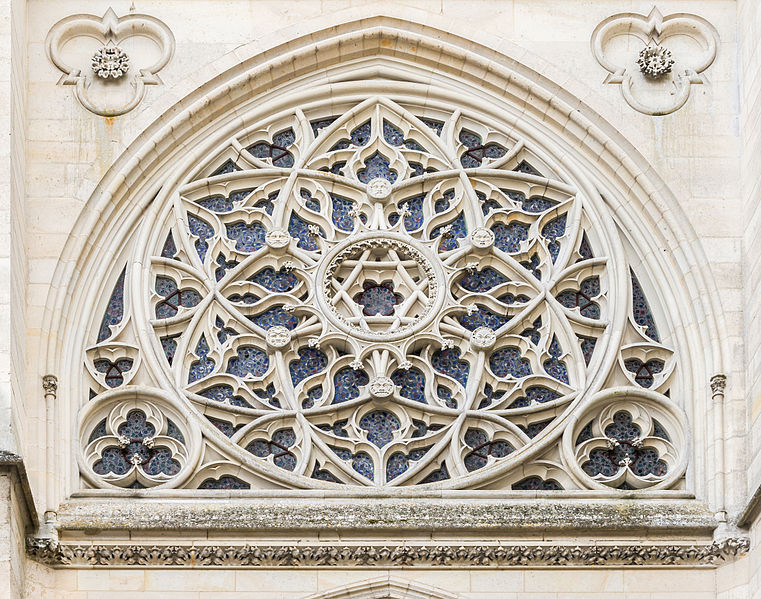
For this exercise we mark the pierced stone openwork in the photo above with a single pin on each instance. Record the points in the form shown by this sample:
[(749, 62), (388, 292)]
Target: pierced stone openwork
[(380, 294)]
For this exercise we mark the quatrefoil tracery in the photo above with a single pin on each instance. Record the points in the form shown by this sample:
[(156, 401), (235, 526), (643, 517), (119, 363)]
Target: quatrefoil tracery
[(384, 299)]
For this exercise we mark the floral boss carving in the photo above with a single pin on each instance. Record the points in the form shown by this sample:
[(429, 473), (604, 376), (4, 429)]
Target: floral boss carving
[(655, 59), (109, 60)]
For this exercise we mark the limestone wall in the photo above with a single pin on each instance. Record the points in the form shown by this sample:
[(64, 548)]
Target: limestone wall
[(749, 20), (464, 584)]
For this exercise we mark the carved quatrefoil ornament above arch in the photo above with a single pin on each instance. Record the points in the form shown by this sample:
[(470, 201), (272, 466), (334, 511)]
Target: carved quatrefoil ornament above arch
[(393, 292), (655, 59), (109, 60)]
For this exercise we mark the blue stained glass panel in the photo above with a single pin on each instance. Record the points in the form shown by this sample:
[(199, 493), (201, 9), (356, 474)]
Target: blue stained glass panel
[(267, 204), (310, 361), (299, 229), (551, 232), (533, 266), (248, 238), (457, 230), (224, 266), (249, 360), (508, 237), (585, 248), (205, 365), (280, 281), (277, 447), (644, 372), (378, 299), (342, 213), (554, 366), (275, 317), (442, 473), (347, 382), (227, 167), (114, 309), (380, 426), (478, 440), (483, 317), (437, 126), (535, 483), (535, 394), (202, 230), (447, 361), (411, 383), (508, 361), (170, 248), (224, 482), (482, 280), (643, 316), (377, 166), (525, 167), (310, 202), (320, 124), (413, 218), (445, 394), (361, 135), (224, 394)]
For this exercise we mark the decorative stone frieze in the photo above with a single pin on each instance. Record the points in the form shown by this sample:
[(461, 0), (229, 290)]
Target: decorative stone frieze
[(664, 58), (389, 555), (89, 51)]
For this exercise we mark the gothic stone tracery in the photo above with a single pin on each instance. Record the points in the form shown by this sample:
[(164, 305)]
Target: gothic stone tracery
[(388, 295)]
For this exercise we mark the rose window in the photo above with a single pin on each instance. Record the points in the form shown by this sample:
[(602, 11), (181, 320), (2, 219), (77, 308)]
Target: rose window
[(389, 294)]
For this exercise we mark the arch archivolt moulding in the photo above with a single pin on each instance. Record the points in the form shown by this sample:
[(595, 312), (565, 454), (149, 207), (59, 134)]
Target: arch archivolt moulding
[(153, 181)]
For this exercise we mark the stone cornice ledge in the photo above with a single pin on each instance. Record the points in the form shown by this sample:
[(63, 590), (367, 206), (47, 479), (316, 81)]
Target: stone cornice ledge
[(14, 463), (751, 511), (389, 555), (485, 514)]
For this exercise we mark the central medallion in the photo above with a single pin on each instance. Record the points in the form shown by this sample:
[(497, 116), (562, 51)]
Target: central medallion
[(380, 287)]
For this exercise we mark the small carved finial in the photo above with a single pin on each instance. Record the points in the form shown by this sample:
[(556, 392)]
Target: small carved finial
[(718, 384), (50, 385)]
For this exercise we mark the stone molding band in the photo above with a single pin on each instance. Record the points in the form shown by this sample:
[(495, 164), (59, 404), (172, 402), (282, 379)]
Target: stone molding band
[(51, 552), (420, 516)]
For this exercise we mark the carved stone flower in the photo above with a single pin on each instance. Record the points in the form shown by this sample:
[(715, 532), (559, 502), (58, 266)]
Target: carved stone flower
[(110, 62), (655, 61)]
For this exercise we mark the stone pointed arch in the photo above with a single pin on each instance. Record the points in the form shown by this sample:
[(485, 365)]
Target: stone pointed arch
[(394, 50), (385, 587)]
